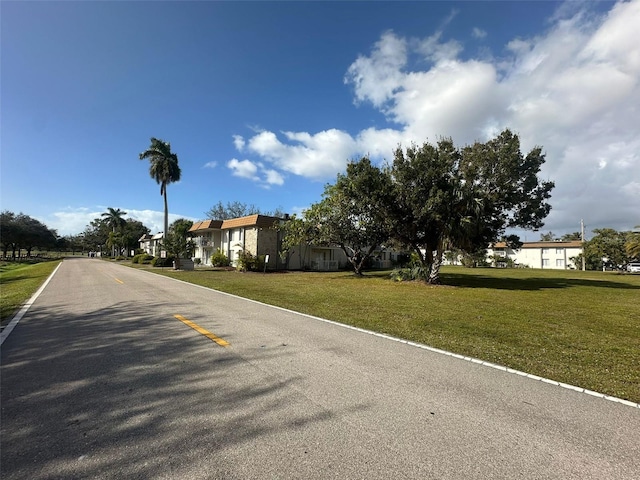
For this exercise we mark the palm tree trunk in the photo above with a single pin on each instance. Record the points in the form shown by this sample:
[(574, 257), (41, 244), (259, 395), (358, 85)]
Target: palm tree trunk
[(166, 214)]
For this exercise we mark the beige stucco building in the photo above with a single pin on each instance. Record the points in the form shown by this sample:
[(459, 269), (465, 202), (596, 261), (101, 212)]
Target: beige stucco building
[(258, 235)]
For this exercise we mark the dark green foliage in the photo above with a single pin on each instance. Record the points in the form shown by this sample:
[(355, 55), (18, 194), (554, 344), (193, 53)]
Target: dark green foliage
[(142, 258), (606, 244), (162, 262), (431, 199), (219, 259), (347, 216), (444, 197), (177, 243), (247, 262), (18, 232)]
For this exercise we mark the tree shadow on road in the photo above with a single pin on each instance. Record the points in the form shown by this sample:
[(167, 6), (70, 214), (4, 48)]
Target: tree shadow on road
[(113, 393)]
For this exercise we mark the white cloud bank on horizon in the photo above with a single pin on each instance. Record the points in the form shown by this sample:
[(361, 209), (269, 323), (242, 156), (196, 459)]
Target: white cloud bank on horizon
[(73, 221), (574, 90)]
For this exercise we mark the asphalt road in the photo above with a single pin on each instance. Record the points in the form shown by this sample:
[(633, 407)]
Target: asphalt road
[(100, 380)]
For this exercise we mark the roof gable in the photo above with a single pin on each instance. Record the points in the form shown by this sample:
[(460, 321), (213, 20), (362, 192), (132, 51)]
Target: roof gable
[(263, 221), (206, 225)]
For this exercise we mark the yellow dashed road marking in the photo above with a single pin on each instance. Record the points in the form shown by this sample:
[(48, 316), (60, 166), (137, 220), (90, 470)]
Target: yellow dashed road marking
[(206, 333), (119, 281)]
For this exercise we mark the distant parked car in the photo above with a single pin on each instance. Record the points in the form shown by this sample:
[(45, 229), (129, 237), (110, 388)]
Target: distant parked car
[(633, 267)]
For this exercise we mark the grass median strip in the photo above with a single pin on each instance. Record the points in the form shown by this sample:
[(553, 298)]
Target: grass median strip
[(206, 333)]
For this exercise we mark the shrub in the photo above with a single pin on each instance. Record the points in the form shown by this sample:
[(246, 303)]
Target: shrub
[(162, 262), (246, 261), (142, 258), (249, 262), (219, 259), (145, 259), (197, 261)]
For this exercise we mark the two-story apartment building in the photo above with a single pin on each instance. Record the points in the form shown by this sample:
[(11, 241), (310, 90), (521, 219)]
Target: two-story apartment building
[(255, 234), (258, 235), (554, 255), (151, 243)]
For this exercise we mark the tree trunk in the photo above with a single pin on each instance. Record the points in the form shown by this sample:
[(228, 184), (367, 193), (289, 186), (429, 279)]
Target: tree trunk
[(166, 214), (434, 272)]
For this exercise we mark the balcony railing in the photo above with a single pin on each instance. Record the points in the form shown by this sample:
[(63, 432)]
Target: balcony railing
[(203, 242)]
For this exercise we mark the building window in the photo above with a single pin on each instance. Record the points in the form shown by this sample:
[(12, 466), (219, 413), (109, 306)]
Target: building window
[(559, 262), (545, 262), (559, 251), (545, 250), (231, 235)]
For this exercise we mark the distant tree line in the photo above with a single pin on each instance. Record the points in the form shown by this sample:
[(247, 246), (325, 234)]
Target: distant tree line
[(236, 209), (110, 232), (22, 232)]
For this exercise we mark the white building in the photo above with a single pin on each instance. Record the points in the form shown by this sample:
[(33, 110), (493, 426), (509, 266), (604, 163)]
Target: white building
[(151, 244), (554, 255)]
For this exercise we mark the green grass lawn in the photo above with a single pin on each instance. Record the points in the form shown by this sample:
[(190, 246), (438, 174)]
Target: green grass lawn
[(18, 281), (581, 328)]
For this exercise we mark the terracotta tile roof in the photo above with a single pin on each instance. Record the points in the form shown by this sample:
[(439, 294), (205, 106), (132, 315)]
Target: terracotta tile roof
[(250, 221), (569, 244), (206, 225)]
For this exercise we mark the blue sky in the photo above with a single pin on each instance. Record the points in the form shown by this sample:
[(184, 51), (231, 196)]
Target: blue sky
[(265, 102)]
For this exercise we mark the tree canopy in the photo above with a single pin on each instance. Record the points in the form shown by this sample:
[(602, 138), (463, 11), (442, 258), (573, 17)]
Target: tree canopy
[(21, 231), (238, 209), (436, 197), (608, 244), (347, 216), (176, 242)]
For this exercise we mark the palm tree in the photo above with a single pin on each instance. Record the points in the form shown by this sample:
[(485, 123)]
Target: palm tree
[(113, 217), (164, 169), (633, 244)]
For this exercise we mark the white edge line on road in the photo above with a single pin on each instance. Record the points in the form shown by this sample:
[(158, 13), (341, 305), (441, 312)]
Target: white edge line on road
[(23, 310), (426, 347)]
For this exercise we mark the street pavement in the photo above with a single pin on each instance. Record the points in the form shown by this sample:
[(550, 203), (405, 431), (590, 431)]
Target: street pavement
[(101, 380)]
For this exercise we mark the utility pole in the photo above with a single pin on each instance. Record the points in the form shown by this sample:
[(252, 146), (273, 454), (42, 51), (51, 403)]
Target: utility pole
[(582, 238)]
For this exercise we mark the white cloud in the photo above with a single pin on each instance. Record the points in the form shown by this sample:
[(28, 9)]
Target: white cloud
[(238, 142), (378, 76), (243, 169), (478, 33), (316, 156), (211, 165), (74, 220), (573, 89), (273, 177), (255, 171)]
